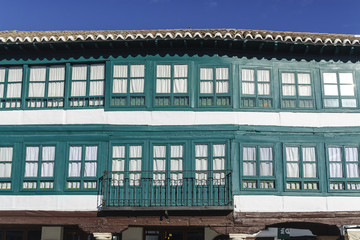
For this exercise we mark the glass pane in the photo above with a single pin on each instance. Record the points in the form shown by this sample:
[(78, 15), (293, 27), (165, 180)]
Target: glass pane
[(346, 78), (263, 76), (331, 90), (288, 78), (304, 90), (331, 102), (206, 74), (288, 90), (347, 90), (303, 78), (79, 72), (329, 78), (97, 71), (247, 75), (120, 71), (292, 170), (348, 102), (222, 73), (137, 71), (180, 71), (163, 71)]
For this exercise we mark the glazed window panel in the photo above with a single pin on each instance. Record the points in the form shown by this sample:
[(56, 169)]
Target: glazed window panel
[(6, 159), (46, 87), (214, 87), (257, 167), (168, 164), (11, 86), (171, 85), (82, 167), (256, 88), (210, 164), (39, 167), (301, 168), (296, 90), (344, 168), (126, 165), (339, 90), (128, 85), (87, 85)]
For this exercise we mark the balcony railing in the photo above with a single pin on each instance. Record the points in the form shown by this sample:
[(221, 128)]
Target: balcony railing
[(171, 189)]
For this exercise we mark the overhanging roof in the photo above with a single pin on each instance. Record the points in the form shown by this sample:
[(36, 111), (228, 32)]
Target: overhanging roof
[(178, 34)]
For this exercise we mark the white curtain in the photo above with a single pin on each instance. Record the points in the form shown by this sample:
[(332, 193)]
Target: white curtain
[(135, 155), (2, 74), (90, 155), (352, 165), (304, 78), (263, 75), (304, 90), (248, 88), (348, 102), (78, 89), (180, 85), (74, 165), (335, 162), (201, 154), (31, 165), (219, 150), (249, 154), (14, 82), (309, 164), (118, 163), (135, 152), (288, 78), (48, 157), (247, 75), (118, 152), (120, 86), (163, 85), (266, 168), (97, 71), (346, 78), (206, 74), (79, 72), (330, 78), (176, 164), (6, 154), (120, 71), (176, 151), (331, 90), (159, 152), (96, 88), (37, 81), (57, 74), (222, 86), (347, 90), (263, 88), (222, 74), (163, 71), (180, 71), (288, 81), (304, 84), (206, 87), (136, 85), (292, 165), (137, 71)]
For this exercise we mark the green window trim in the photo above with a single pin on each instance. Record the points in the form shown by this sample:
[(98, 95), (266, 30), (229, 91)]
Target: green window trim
[(11, 87), (39, 165), (6, 167), (301, 167), (339, 89), (297, 90), (256, 87), (82, 167), (172, 81), (128, 85), (343, 168), (257, 169), (45, 86), (215, 86), (87, 85)]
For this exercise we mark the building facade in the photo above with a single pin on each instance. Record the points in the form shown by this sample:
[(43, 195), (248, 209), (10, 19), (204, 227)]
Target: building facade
[(178, 134)]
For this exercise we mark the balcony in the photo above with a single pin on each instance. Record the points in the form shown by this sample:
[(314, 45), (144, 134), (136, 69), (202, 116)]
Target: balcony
[(175, 190)]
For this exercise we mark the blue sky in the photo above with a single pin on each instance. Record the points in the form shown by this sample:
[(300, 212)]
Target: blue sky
[(329, 16)]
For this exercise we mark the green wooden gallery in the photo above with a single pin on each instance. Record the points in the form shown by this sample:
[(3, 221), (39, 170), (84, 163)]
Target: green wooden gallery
[(206, 134)]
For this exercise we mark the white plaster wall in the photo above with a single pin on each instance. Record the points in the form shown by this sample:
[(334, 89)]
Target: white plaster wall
[(156, 118), (261, 203), (49, 202), (133, 233)]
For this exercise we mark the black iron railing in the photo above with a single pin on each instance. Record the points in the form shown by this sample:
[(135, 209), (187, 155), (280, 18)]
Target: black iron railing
[(165, 188)]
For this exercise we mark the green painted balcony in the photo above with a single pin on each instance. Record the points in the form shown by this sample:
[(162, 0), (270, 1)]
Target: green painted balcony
[(175, 190)]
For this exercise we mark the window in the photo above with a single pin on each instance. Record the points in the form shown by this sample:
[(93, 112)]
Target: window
[(168, 164), (46, 87), (257, 167), (126, 165), (82, 170), (301, 171), (210, 158), (214, 87), (10, 87), (256, 88), (172, 85), (87, 85), (128, 85), (344, 168), (339, 90), (6, 157), (39, 167), (296, 90)]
